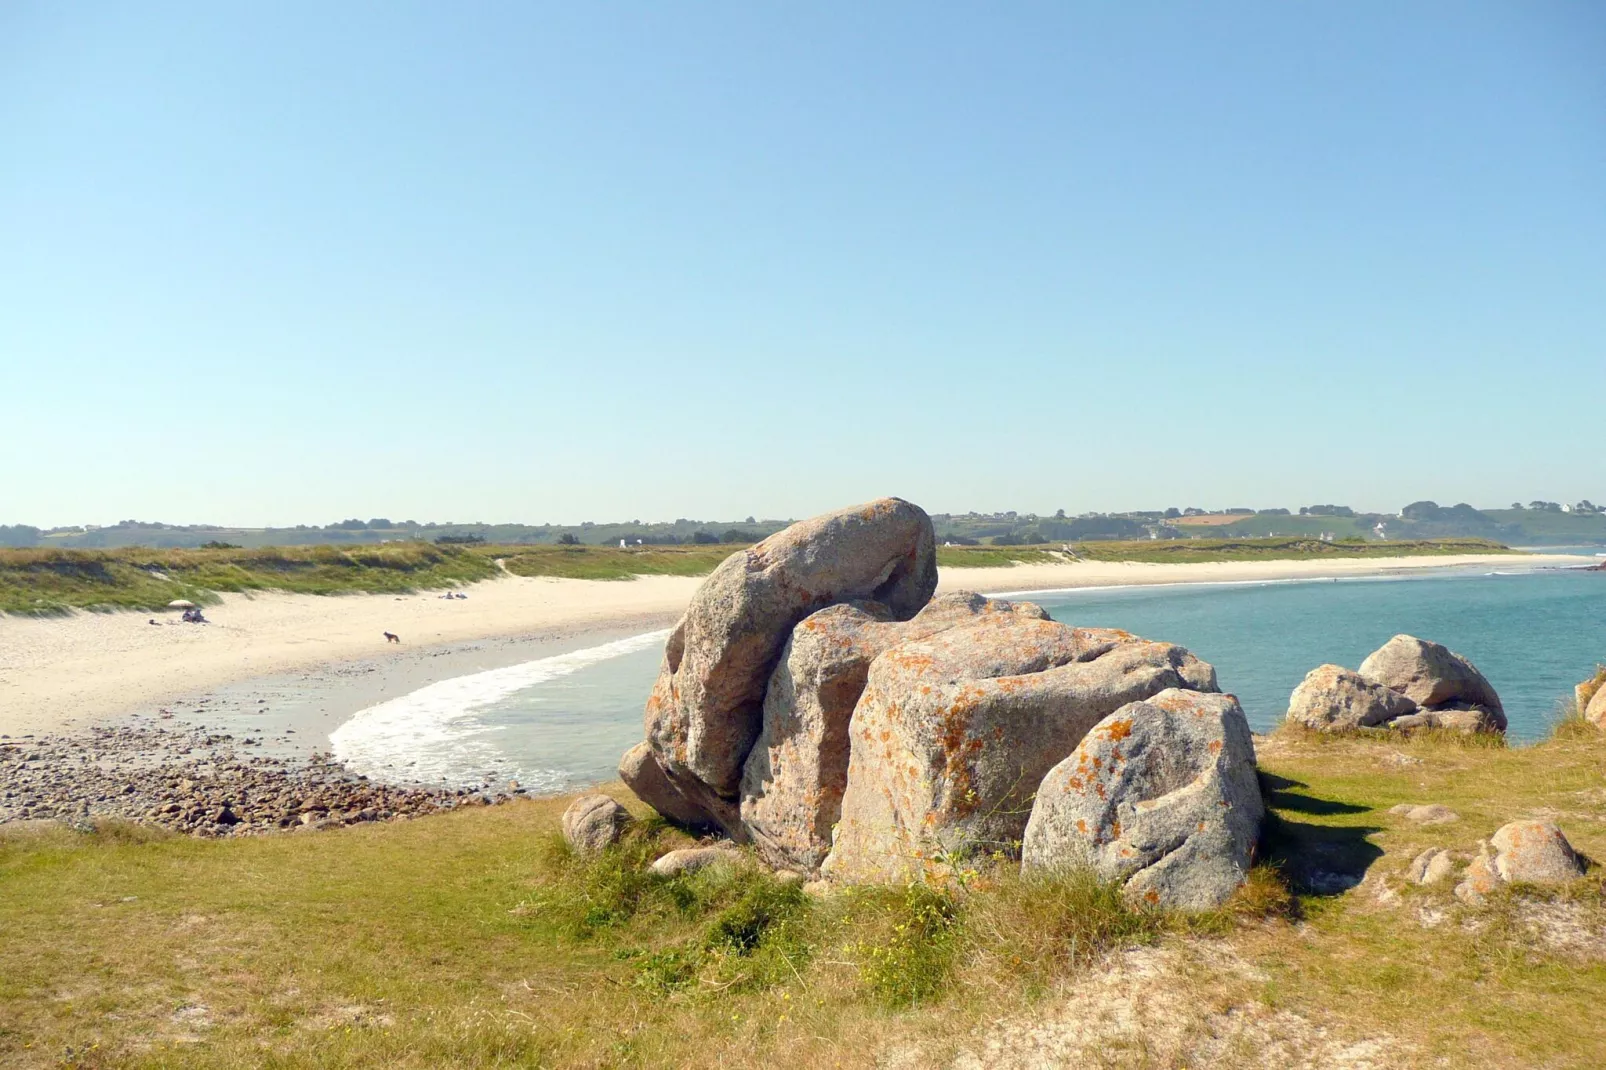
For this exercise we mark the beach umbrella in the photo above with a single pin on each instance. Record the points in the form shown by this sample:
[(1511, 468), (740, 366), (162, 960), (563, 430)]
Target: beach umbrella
[(181, 603)]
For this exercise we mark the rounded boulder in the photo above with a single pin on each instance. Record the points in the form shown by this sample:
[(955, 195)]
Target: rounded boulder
[(593, 823)]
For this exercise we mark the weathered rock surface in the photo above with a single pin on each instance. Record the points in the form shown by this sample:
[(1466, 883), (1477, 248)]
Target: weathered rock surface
[(1534, 852), (1432, 676), (1429, 814), (1474, 719), (706, 711), (1529, 852), (954, 732), (1332, 698), (1595, 708), (1480, 878), (691, 859), (640, 771), (593, 823), (794, 778), (1161, 796), (1431, 866)]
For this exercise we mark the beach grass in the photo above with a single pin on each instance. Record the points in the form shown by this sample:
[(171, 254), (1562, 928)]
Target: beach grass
[(45, 582), (54, 581), (609, 562), (475, 938)]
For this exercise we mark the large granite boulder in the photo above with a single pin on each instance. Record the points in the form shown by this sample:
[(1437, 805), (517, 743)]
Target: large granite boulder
[(1431, 675), (954, 732), (794, 778), (593, 823), (1331, 698), (1161, 796), (707, 709)]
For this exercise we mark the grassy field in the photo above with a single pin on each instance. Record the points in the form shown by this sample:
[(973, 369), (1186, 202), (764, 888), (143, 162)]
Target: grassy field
[(56, 581), (474, 939), (610, 562)]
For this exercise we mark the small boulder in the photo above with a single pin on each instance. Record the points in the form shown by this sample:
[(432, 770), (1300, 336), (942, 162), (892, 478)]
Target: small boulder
[(793, 782), (1431, 866), (1432, 676), (1431, 814), (707, 709), (1480, 879), (1161, 796), (1528, 852), (953, 734), (692, 859), (642, 774), (1534, 852), (1332, 698), (1595, 709), (1473, 719), (593, 823)]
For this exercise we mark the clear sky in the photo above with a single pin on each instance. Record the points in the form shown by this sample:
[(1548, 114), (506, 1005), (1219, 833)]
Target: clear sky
[(290, 262)]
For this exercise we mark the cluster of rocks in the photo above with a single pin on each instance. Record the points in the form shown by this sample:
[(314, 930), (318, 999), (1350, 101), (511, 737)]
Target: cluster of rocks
[(1406, 684), (818, 703), (1521, 852), (191, 781), (1591, 699)]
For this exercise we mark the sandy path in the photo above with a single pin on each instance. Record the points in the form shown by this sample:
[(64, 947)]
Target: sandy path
[(56, 673)]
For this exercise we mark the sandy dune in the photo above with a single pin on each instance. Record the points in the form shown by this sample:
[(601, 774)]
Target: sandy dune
[(63, 672)]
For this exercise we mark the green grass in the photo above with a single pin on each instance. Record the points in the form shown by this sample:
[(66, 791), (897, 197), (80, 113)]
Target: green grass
[(476, 938), (609, 562), (43, 582)]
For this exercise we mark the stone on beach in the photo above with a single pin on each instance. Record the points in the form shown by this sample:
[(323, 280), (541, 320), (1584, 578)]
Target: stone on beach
[(706, 711), (1333, 698), (593, 823), (1431, 675), (794, 778), (1161, 796), (954, 732)]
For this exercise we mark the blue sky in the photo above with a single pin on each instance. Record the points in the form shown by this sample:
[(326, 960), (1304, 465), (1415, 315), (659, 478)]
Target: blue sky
[(291, 262)]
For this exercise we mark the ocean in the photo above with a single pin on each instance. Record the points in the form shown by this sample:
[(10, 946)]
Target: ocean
[(562, 722)]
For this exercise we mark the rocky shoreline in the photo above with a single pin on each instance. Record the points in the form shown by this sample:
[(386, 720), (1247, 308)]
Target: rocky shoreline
[(189, 780)]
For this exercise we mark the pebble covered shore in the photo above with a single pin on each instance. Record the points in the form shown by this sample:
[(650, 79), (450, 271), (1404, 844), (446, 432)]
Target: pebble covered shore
[(197, 782)]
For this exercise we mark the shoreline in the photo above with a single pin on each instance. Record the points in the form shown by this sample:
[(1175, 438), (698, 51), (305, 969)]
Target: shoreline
[(272, 662)]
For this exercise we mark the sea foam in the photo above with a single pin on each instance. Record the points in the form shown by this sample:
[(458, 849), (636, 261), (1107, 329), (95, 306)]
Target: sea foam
[(434, 734)]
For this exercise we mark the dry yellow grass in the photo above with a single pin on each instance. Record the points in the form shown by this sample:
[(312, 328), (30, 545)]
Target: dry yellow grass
[(470, 939)]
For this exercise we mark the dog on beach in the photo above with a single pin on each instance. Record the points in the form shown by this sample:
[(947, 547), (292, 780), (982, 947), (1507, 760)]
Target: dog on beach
[(392, 637)]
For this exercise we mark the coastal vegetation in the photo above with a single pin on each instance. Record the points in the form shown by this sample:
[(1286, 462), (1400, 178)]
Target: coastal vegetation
[(44, 582), (1538, 523), (476, 938), (51, 581)]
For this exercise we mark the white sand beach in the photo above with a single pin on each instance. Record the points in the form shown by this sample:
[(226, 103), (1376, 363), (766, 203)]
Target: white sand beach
[(61, 673)]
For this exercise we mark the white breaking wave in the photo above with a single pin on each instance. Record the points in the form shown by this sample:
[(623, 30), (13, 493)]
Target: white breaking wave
[(433, 734)]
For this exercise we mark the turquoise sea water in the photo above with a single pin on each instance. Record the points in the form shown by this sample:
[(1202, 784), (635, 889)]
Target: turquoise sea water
[(1533, 633)]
